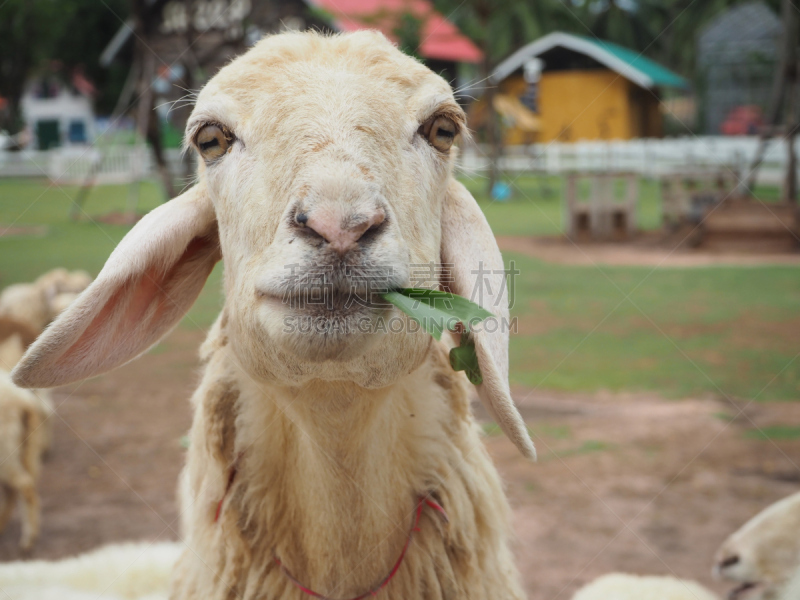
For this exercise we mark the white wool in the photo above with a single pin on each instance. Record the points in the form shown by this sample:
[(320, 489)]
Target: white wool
[(56, 592), (765, 552), (130, 571), (25, 303), (36, 304), (624, 586)]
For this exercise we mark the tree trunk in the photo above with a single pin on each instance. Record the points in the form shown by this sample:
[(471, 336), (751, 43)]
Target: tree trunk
[(493, 137), (155, 141), (787, 65)]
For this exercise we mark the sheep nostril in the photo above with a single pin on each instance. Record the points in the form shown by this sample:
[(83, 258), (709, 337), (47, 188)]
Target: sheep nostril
[(301, 219), (729, 561)]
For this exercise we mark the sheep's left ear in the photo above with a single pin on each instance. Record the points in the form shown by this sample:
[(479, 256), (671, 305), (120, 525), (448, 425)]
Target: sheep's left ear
[(146, 286), (473, 260)]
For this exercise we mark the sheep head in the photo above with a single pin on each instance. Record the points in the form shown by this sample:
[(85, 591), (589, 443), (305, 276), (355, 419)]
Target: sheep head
[(325, 177), (763, 556)]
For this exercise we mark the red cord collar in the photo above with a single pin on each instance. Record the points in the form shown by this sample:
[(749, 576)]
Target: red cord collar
[(421, 503)]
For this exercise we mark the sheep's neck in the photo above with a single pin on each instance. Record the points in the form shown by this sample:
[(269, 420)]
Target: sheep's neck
[(336, 480)]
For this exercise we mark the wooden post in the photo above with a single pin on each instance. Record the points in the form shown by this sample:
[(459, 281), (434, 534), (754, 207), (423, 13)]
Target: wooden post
[(632, 220), (570, 203)]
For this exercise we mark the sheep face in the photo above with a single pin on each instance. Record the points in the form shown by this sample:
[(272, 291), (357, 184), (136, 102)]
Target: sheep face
[(342, 191), (764, 554), (325, 178)]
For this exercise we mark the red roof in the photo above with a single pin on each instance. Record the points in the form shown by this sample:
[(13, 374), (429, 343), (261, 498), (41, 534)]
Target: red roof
[(441, 40)]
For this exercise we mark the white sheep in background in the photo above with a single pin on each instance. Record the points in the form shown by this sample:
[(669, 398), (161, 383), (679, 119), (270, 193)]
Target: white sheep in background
[(623, 586), (60, 281), (25, 435), (26, 415), (36, 304), (763, 556), (25, 310), (316, 456), (132, 571), (23, 441), (14, 339)]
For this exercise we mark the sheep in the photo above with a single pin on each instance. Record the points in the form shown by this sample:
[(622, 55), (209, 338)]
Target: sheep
[(25, 434), (25, 303), (129, 571), (60, 280), (22, 443), (25, 310), (624, 586), (26, 417), (763, 556), (343, 460), (15, 337), (36, 304)]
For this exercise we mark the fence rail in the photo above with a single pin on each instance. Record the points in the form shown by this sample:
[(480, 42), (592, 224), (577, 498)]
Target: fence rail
[(648, 157), (120, 164)]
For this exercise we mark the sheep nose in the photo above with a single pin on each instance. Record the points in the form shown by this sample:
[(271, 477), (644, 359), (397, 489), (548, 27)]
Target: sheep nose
[(341, 234)]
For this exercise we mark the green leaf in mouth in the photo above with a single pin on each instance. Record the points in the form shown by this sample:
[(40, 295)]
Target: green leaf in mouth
[(436, 311)]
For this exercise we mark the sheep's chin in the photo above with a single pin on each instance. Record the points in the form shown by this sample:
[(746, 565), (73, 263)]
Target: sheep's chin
[(332, 337), (341, 331)]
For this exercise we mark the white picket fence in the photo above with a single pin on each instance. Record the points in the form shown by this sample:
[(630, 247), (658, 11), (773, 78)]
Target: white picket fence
[(118, 164), (649, 157)]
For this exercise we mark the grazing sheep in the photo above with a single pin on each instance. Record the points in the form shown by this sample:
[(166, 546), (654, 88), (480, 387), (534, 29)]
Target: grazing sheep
[(25, 303), (623, 586), (763, 556), (132, 571), (22, 443), (26, 416), (61, 301), (317, 455), (36, 304), (60, 281), (25, 434)]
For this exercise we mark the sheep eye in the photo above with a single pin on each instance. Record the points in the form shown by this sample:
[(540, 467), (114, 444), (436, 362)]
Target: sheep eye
[(213, 142), (440, 132)]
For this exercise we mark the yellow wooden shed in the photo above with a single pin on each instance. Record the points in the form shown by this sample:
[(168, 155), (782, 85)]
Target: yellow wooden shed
[(578, 88)]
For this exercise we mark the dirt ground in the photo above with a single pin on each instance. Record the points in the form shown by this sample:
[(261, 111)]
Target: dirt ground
[(648, 249), (633, 483)]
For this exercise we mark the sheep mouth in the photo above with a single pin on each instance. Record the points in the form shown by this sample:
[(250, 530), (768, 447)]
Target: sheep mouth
[(323, 302), (332, 290), (742, 591)]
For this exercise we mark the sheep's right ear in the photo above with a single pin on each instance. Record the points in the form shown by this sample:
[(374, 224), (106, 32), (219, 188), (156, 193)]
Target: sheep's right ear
[(146, 286)]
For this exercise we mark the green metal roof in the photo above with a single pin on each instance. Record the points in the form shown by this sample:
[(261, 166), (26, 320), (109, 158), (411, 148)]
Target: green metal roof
[(628, 63), (660, 75)]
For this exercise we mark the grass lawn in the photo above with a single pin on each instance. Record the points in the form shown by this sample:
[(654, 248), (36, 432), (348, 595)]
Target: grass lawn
[(84, 245), (678, 332)]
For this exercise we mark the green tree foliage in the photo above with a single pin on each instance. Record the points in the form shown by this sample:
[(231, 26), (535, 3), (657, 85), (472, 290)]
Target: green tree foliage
[(499, 27), (408, 31), (664, 30), (60, 35)]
